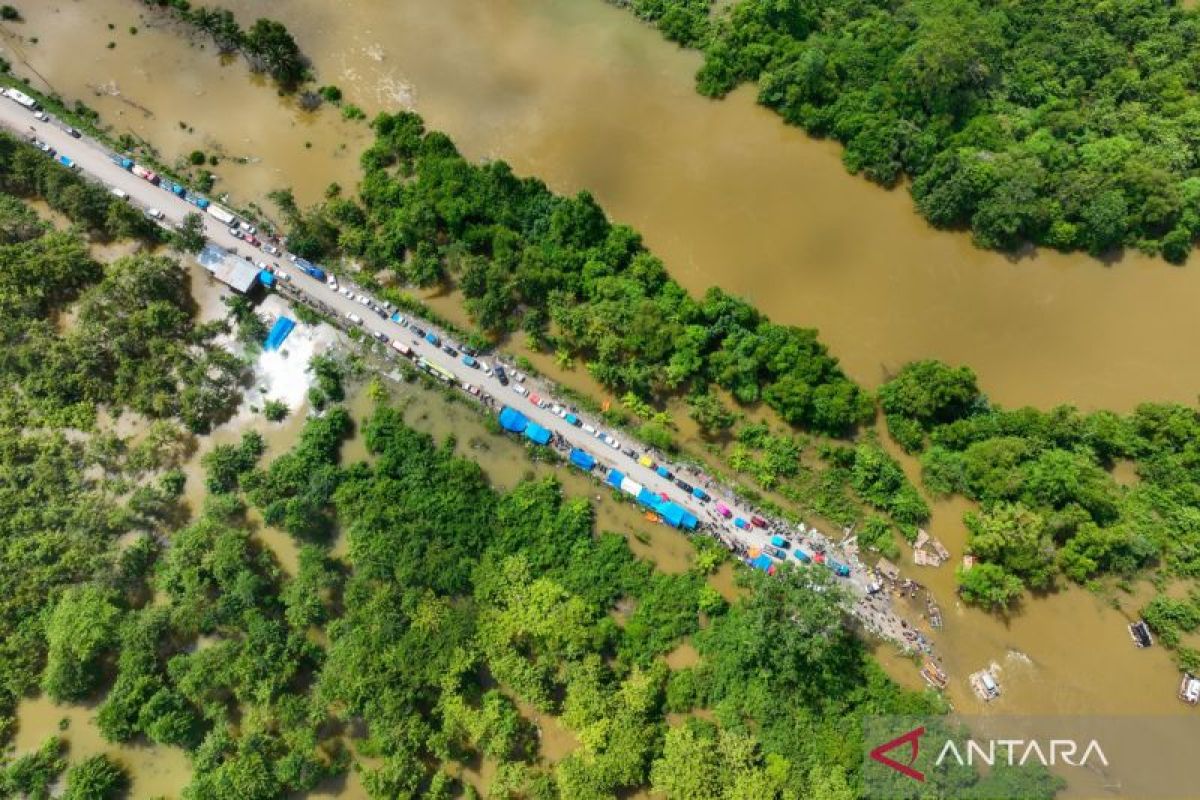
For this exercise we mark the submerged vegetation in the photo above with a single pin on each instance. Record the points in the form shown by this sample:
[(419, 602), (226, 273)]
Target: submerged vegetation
[(1064, 123), (1049, 504), (266, 45)]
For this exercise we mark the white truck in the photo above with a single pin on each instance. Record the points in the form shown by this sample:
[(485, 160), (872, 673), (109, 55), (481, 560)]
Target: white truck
[(220, 214), (20, 98)]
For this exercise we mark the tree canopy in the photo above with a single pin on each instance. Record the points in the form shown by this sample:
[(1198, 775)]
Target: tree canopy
[(1064, 123)]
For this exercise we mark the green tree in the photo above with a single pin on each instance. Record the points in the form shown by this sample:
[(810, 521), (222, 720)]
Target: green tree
[(81, 628)]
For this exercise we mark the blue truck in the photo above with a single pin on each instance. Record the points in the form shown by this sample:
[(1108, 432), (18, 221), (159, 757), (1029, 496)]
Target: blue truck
[(839, 569)]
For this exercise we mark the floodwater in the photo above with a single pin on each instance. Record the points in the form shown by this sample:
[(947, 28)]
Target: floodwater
[(583, 96), (164, 770)]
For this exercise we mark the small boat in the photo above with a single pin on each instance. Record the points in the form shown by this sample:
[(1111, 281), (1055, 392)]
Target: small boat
[(935, 613), (933, 674), (984, 684), (1140, 633), (1189, 689)]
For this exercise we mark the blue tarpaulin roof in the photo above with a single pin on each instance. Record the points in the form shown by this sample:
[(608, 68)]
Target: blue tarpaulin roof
[(266, 278), (536, 433), (512, 420), (689, 521), (582, 459), (649, 499), (763, 562), (672, 514), (279, 331), (615, 477)]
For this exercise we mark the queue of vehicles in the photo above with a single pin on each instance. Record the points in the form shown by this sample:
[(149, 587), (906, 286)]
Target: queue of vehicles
[(245, 231)]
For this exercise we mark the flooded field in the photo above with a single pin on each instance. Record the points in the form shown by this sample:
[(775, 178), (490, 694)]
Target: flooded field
[(580, 94)]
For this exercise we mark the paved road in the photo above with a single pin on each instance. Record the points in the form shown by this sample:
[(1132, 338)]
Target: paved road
[(93, 158)]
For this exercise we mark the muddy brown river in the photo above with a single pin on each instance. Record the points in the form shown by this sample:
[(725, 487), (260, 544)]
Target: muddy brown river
[(583, 96)]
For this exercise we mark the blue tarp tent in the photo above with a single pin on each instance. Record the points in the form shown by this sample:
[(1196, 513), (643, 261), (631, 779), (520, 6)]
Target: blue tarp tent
[(582, 459), (512, 420), (649, 499), (266, 278), (689, 521), (615, 478), (672, 514), (763, 562), (279, 331), (537, 434)]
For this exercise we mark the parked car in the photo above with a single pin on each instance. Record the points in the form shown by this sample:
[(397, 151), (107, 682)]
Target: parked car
[(74, 134), (519, 389), (682, 484), (154, 213), (519, 376), (41, 116), (331, 282), (588, 429), (68, 162), (775, 552), (355, 318), (416, 329), (381, 337), (345, 292), (272, 249), (449, 350), (120, 194), (501, 375), (248, 228), (252, 239)]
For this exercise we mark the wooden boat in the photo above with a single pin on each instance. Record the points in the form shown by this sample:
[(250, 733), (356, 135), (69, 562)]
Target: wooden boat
[(1189, 689), (933, 674), (1140, 633)]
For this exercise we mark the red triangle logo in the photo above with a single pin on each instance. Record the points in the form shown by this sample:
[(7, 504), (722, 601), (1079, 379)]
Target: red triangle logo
[(913, 740)]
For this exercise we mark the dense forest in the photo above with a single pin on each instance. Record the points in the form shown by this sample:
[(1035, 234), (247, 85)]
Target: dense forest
[(1065, 123), (78, 338), (556, 267), (456, 610), (1049, 504)]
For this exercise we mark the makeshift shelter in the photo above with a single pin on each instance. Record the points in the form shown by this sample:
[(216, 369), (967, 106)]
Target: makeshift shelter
[(537, 434), (512, 420), (582, 459), (279, 331)]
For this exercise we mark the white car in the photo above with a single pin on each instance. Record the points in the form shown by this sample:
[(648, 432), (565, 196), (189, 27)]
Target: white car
[(519, 376), (331, 282), (364, 300), (154, 213), (346, 292), (120, 194), (613, 443), (519, 389), (283, 276), (487, 370), (272, 249), (261, 265), (588, 429), (355, 318), (41, 116), (248, 228)]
